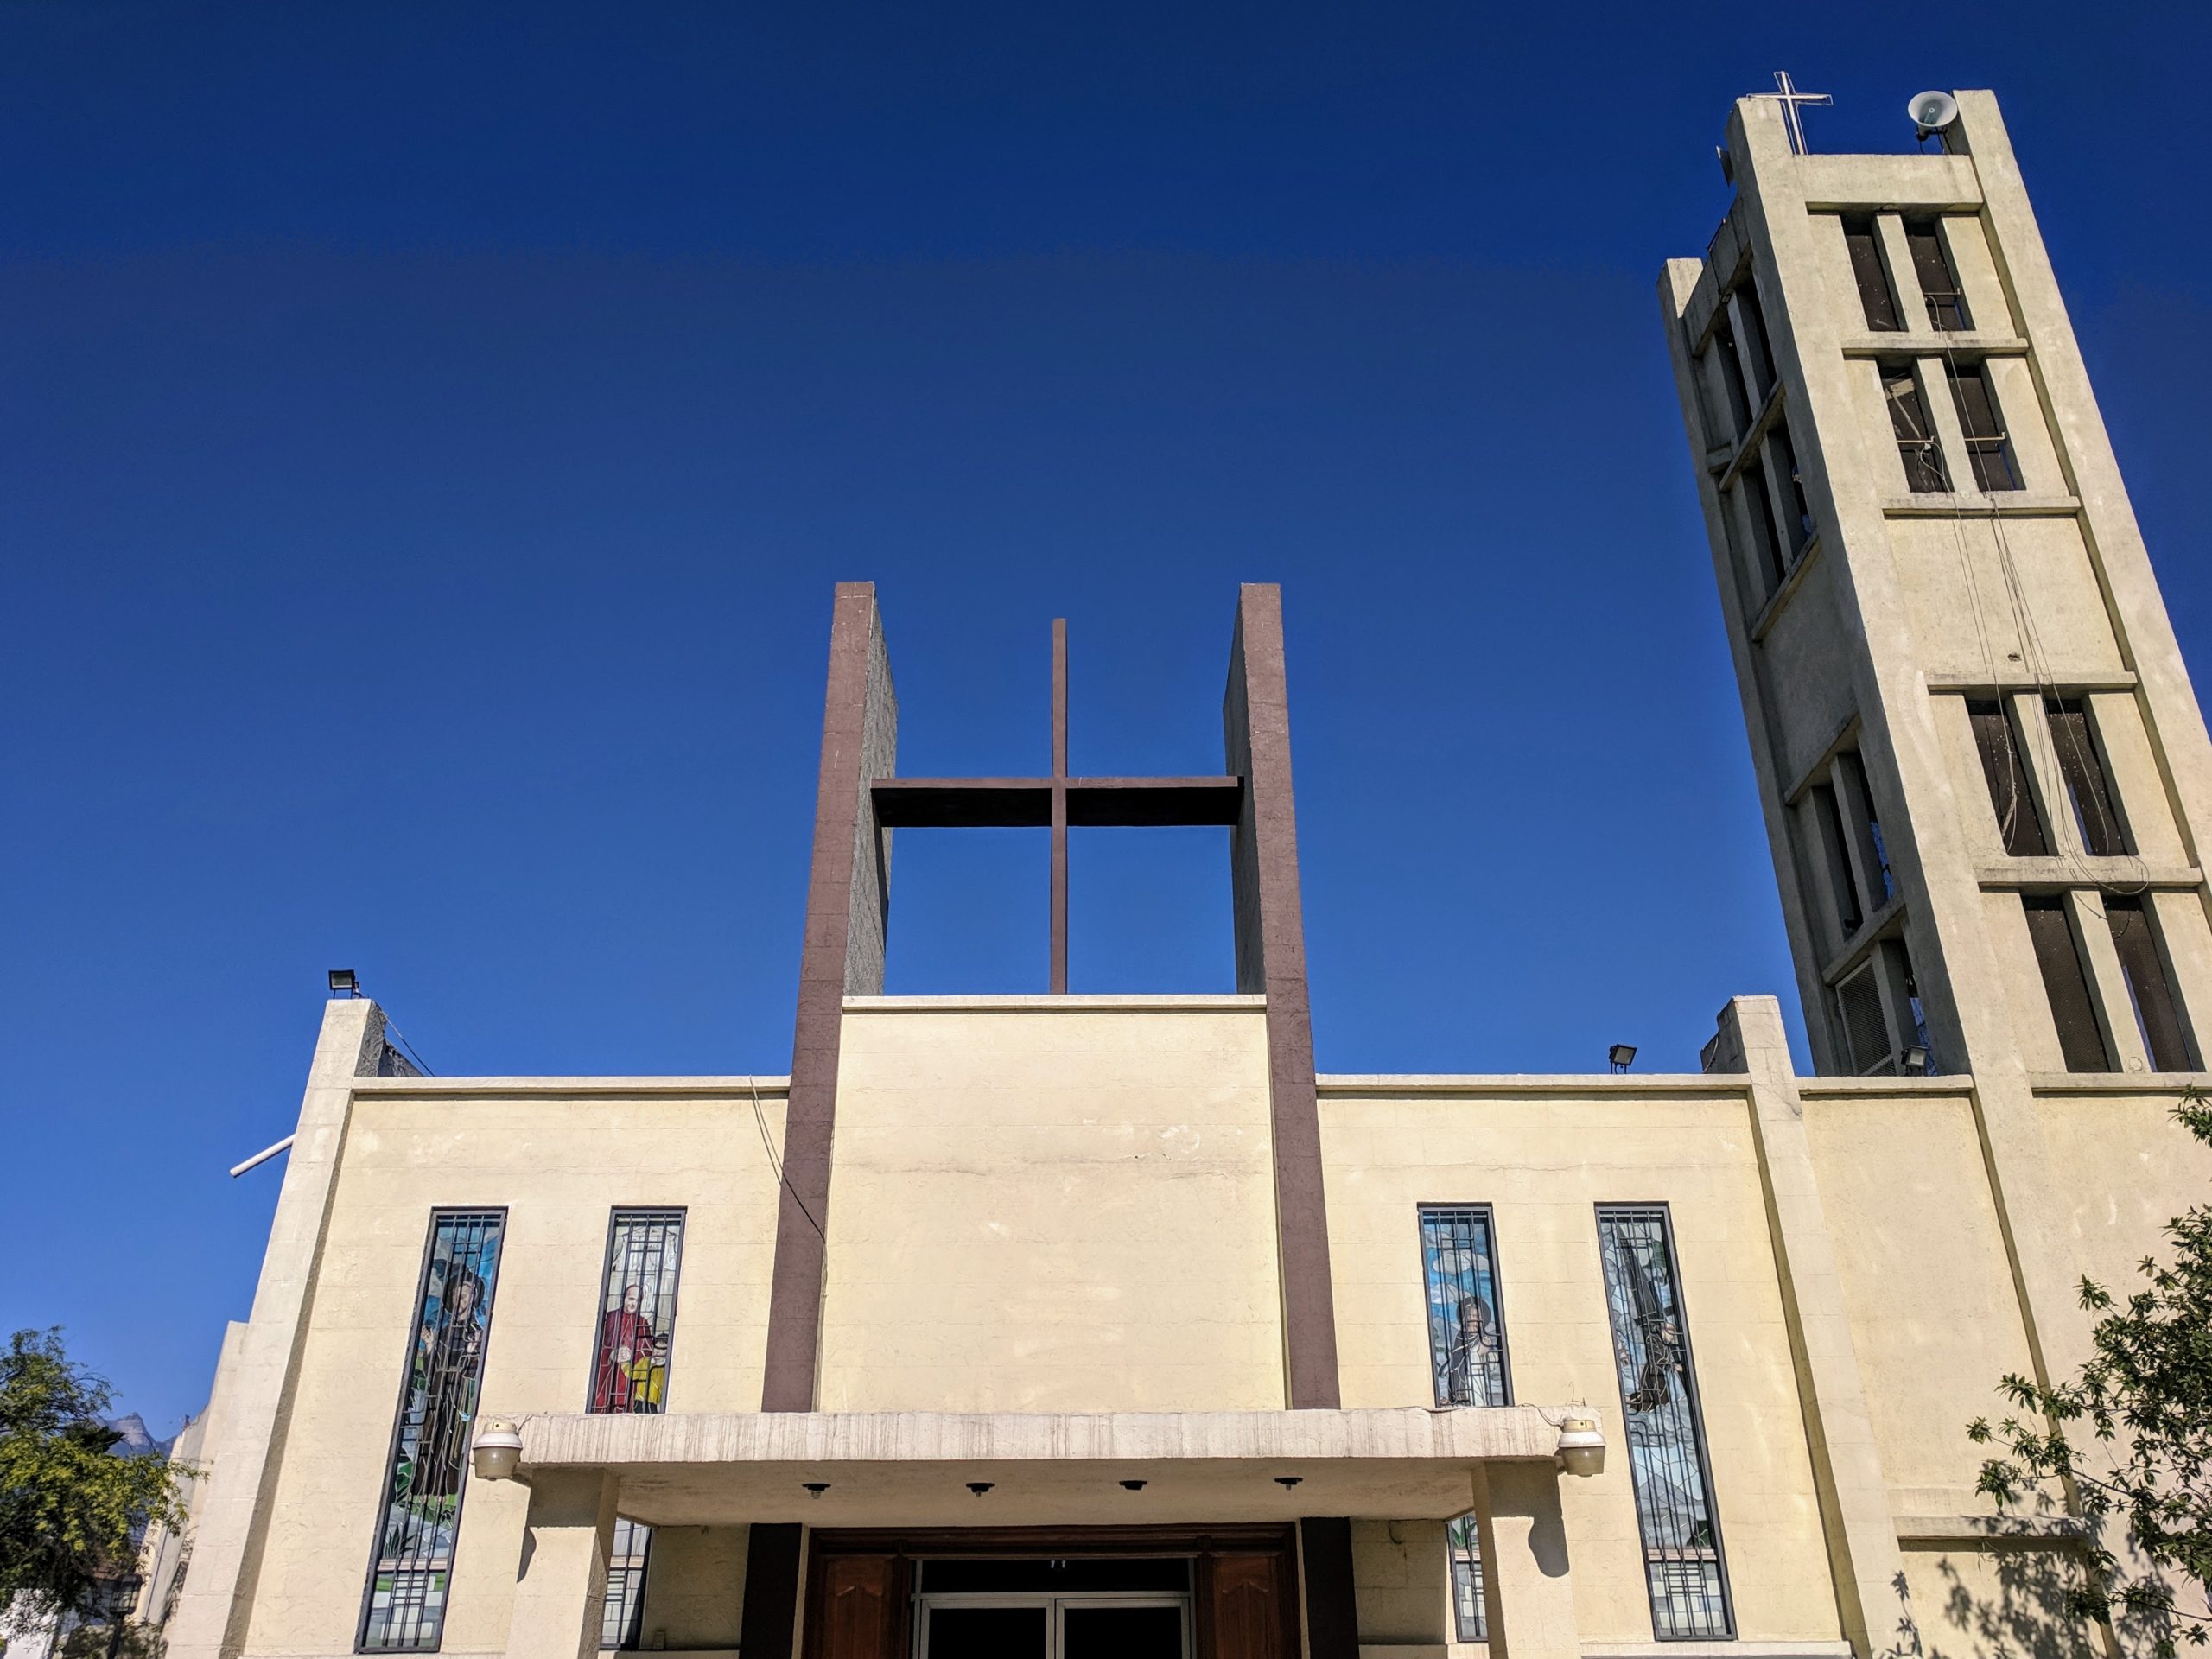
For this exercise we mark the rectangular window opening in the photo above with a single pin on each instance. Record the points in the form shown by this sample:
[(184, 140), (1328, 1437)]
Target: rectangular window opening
[(2005, 769), (1875, 298), (1989, 451), (420, 1516), (1467, 1363), (2088, 790), (1939, 283), (2143, 965), (622, 1617), (1836, 854), (637, 1319), (1758, 354), (2081, 1037), (1785, 466), (1664, 1426), (1734, 380), (1758, 507), (1851, 784), (1916, 445)]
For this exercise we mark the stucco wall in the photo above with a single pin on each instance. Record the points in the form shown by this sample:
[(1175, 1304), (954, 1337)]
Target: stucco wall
[(558, 1165), (1049, 1208), (1544, 1159)]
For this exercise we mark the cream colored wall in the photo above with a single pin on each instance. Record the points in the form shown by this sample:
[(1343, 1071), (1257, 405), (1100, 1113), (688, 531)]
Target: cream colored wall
[(1971, 1602), (1402, 1580), (1052, 1208), (2131, 1169), (1544, 1159), (1969, 629), (1935, 1320), (694, 1588), (558, 1165)]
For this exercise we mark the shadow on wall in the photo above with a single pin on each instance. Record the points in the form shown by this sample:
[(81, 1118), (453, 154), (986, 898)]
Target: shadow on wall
[(2005, 1600)]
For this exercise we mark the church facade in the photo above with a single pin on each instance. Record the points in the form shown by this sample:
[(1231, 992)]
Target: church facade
[(1061, 1325)]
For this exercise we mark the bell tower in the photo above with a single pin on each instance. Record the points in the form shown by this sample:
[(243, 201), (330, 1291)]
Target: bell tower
[(1986, 777)]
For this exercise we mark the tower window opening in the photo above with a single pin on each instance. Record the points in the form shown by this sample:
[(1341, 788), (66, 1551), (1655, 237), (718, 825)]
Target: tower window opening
[(2002, 765), (1758, 507), (2081, 1037), (1785, 466), (1756, 353), (1728, 361), (1989, 451), (2095, 817), (1875, 297), (1850, 781), (1939, 283), (1837, 856), (2150, 990), (1917, 446)]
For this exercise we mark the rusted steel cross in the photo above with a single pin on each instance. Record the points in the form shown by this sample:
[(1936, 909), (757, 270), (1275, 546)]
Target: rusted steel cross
[(1055, 802)]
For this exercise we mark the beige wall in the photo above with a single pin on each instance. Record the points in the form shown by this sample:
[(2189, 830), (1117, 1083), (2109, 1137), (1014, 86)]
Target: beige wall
[(559, 1164), (1042, 1209), (1544, 1158)]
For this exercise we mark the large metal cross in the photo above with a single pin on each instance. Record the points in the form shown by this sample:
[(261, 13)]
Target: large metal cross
[(1055, 802), (1790, 97)]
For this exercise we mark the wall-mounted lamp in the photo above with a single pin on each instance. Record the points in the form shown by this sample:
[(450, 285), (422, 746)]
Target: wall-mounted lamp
[(1288, 1481), (1133, 1485), (1621, 1056), (979, 1487), (1582, 1446), (815, 1488), (344, 981), (1916, 1060), (497, 1452)]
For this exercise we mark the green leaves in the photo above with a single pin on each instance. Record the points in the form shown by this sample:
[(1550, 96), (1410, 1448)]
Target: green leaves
[(71, 1511)]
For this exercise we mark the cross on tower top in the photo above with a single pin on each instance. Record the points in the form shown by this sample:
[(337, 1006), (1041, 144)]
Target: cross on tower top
[(1790, 97), (1055, 801)]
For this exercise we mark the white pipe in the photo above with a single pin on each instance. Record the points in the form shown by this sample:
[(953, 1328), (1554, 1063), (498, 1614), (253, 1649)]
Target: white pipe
[(262, 1157)]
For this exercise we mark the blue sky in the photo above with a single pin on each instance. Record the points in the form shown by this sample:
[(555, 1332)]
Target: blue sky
[(428, 435)]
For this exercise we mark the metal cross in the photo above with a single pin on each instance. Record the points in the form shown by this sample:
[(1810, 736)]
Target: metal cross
[(1055, 802), (1790, 97)]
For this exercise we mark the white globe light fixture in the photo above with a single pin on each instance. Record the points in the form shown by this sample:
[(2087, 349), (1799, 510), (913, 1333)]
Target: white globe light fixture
[(1582, 1446), (497, 1452)]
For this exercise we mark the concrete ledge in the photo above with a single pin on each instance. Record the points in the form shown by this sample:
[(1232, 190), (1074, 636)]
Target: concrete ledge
[(2122, 873), (1928, 343), (919, 1468), (2008, 504), (1951, 1083), (1711, 1085), (1716, 1649), (1986, 1529), (641, 1088), (1187, 1003), (2118, 1082)]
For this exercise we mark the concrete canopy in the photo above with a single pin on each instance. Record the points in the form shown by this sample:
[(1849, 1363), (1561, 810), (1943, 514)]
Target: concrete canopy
[(914, 1468)]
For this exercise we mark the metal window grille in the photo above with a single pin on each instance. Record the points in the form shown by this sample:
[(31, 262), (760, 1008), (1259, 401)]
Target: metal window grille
[(622, 1619), (637, 1317), (404, 1607), (1665, 1429), (1466, 1344)]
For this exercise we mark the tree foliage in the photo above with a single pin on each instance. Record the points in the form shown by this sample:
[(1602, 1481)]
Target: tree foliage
[(2131, 1436), (71, 1509)]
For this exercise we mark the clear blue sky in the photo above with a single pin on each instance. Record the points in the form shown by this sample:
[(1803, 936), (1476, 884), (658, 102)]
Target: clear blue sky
[(431, 433)]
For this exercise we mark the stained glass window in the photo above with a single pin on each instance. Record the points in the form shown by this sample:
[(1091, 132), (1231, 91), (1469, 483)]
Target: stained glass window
[(420, 1515), (637, 1317), (1466, 1352), (1665, 1427), (624, 1615)]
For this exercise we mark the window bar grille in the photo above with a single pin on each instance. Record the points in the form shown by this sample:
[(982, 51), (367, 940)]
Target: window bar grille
[(404, 1605), (1665, 1427), (622, 1620), (637, 1317), (1466, 1344)]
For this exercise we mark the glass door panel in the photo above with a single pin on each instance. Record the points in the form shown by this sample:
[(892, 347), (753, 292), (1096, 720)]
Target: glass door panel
[(1121, 1630), (952, 1631)]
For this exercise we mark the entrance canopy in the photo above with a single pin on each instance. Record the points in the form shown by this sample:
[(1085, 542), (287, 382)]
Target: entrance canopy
[(899, 1468)]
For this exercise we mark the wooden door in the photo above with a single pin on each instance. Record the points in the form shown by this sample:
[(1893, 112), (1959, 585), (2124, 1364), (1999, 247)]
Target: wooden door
[(857, 1608), (1246, 1606)]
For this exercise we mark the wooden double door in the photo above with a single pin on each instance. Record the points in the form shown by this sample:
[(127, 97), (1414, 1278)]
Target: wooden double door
[(1228, 1593)]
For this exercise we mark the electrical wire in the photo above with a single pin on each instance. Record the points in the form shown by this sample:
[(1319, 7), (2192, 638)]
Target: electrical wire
[(776, 1164)]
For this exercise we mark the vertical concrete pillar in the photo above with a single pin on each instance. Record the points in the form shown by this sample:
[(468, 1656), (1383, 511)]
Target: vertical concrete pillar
[(1863, 1558), (561, 1590), (217, 1600), (1527, 1590)]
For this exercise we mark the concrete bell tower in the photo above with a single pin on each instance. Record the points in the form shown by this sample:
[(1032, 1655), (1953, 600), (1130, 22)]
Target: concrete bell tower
[(1984, 774)]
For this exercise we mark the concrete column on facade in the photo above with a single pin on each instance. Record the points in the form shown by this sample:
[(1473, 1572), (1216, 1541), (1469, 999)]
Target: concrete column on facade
[(217, 1600), (1528, 1589), (561, 1590), (1868, 1567)]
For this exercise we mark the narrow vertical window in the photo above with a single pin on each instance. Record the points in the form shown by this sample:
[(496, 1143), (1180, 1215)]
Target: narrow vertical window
[(2007, 775), (1989, 451), (1758, 507), (2080, 1038), (1785, 466), (623, 1615), (2087, 790), (1467, 1355), (1939, 283), (420, 1516), (1917, 446), (1730, 361), (637, 1319), (1836, 854), (1875, 298), (1758, 356), (1665, 1427), (2144, 967), (1852, 786)]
